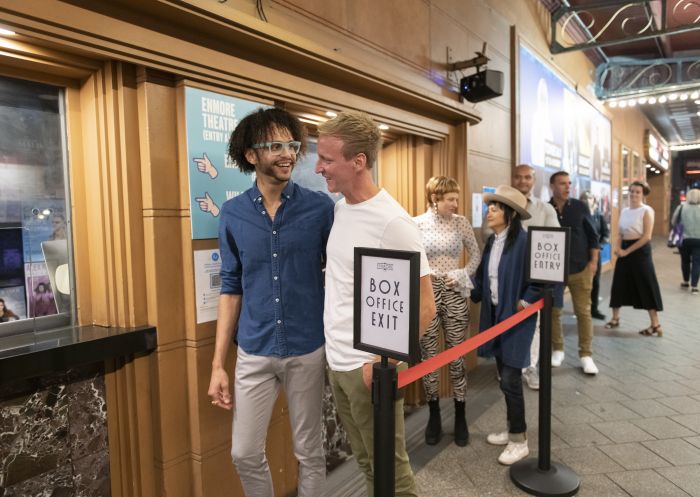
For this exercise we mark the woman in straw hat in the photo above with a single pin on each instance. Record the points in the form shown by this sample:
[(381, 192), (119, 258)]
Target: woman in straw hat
[(501, 287)]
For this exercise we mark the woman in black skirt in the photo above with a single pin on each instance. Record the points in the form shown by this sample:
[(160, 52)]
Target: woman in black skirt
[(634, 280)]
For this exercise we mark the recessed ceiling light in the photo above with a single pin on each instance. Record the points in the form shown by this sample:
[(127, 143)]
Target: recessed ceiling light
[(613, 104), (631, 103), (695, 94), (622, 104), (652, 100), (6, 32), (673, 96), (684, 96), (662, 99), (697, 102), (642, 100)]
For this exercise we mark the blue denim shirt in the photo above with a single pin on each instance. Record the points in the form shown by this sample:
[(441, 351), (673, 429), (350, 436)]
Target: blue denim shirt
[(277, 267)]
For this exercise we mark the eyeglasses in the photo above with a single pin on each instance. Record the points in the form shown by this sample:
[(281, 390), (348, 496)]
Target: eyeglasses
[(276, 148)]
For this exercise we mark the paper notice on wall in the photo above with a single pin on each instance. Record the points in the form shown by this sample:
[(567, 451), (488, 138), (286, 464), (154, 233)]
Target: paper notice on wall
[(477, 207), (207, 283)]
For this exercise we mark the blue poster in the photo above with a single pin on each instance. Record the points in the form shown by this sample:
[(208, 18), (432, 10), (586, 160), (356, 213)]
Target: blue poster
[(210, 119), (561, 131)]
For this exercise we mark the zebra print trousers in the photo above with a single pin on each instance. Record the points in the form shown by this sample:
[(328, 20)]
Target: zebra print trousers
[(453, 317)]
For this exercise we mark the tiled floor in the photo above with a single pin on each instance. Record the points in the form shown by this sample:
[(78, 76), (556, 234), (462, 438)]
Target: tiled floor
[(633, 430)]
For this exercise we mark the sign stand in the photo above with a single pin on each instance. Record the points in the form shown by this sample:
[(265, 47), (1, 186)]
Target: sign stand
[(541, 476), (386, 313), (384, 381)]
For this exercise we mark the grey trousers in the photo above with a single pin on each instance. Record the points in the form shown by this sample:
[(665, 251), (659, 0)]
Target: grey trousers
[(256, 386)]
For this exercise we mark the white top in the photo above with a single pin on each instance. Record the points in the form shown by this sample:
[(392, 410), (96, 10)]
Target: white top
[(444, 239), (494, 260), (543, 214), (631, 223), (379, 222)]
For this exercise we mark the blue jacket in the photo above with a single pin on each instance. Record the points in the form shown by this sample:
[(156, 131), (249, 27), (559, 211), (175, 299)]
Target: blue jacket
[(513, 346)]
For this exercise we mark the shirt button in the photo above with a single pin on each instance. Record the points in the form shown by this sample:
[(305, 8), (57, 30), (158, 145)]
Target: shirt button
[(274, 232), (275, 278), (279, 321), (277, 300), (274, 255), (263, 213)]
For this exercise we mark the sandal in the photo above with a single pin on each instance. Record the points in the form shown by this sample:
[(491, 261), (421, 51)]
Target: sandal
[(652, 330), (613, 323)]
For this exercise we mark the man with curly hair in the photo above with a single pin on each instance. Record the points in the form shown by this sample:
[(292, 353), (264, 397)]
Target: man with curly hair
[(272, 239)]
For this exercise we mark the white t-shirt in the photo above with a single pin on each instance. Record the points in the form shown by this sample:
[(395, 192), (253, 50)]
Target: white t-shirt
[(379, 222), (631, 223)]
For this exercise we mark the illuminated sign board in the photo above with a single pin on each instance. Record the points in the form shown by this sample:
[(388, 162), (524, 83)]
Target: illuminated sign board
[(657, 152)]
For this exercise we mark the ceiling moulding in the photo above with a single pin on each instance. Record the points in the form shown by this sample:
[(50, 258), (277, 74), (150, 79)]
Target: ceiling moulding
[(630, 77), (611, 23)]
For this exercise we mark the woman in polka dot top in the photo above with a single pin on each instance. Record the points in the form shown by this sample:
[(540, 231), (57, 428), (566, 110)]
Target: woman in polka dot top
[(445, 235)]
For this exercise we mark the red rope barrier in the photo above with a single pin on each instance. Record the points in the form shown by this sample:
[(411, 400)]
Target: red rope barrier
[(410, 375)]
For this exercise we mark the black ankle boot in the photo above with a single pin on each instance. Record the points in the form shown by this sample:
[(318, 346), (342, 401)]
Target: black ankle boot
[(461, 430), (433, 431)]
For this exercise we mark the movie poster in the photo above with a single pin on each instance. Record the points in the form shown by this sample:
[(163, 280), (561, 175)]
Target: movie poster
[(561, 131)]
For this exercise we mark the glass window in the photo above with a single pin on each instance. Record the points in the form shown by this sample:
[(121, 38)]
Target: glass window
[(36, 290)]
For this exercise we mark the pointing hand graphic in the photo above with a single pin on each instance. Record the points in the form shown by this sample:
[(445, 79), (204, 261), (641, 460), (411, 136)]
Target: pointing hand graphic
[(205, 166), (206, 204)]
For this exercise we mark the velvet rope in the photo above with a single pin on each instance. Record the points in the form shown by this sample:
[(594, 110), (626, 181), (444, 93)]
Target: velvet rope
[(421, 369)]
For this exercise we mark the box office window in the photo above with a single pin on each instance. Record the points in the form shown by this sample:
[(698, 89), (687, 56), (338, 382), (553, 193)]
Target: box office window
[(36, 274)]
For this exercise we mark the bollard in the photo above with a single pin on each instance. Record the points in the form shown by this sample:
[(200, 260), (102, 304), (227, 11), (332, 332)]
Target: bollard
[(541, 476), (384, 381)]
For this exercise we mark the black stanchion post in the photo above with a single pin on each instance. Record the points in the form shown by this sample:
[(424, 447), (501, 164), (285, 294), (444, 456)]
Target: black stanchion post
[(384, 382), (545, 392), (542, 477)]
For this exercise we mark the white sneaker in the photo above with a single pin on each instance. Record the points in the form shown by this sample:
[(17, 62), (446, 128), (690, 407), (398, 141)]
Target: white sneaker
[(588, 365), (532, 378), (498, 438), (514, 452), (557, 358)]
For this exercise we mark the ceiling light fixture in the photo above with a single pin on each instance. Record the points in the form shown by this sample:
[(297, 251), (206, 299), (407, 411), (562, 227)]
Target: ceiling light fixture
[(684, 96), (631, 103), (613, 103), (697, 102), (673, 96), (622, 104), (685, 146), (695, 94), (642, 100), (652, 100), (662, 99)]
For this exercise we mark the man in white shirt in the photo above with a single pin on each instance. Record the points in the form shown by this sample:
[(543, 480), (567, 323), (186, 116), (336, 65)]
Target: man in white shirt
[(368, 216), (542, 214)]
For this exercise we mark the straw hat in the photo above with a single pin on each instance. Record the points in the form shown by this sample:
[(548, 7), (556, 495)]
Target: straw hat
[(511, 197)]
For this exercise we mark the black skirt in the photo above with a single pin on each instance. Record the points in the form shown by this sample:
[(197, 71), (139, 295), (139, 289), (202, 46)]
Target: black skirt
[(634, 281)]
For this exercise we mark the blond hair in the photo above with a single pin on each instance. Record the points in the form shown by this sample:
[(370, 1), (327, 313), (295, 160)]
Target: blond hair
[(440, 186), (358, 132), (693, 196)]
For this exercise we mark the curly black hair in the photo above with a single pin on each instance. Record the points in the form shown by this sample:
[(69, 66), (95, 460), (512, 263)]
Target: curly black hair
[(256, 127)]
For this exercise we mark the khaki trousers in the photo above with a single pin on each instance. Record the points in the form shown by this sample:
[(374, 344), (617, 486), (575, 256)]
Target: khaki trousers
[(354, 403), (580, 285)]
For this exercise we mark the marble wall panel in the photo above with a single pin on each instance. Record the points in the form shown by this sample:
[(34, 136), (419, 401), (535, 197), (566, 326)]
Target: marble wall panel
[(53, 435)]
